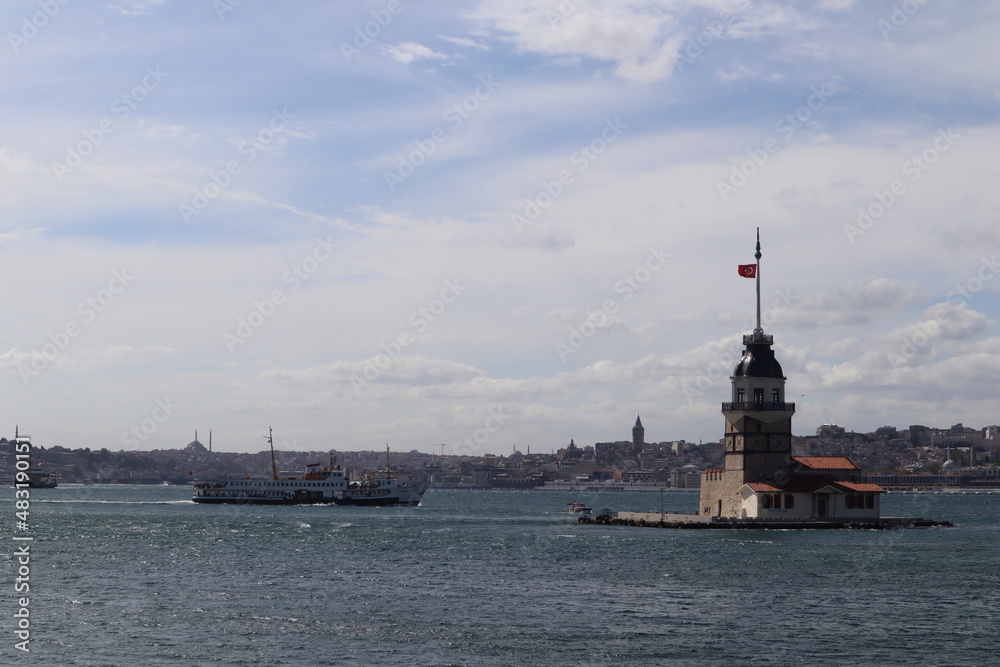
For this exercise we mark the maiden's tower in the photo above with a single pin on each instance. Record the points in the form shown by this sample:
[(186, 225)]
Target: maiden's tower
[(761, 478)]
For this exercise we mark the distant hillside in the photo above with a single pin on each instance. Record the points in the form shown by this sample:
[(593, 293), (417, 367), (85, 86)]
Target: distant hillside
[(180, 466)]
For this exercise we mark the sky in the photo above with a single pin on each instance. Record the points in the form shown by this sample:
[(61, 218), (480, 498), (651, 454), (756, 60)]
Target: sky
[(491, 225)]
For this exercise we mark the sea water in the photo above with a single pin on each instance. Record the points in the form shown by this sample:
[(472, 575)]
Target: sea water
[(129, 575)]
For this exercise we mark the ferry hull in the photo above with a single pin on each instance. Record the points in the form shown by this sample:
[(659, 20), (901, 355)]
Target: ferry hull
[(242, 501), (368, 502), (369, 497), (376, 502)]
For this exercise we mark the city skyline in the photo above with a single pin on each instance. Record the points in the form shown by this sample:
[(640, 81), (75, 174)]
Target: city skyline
[(504, 223)]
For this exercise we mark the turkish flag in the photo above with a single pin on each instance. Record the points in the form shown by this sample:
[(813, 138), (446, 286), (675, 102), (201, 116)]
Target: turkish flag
[(748, 270)]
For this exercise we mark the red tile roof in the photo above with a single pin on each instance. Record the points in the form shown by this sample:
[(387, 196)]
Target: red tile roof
[(810, 484), (761, 487), (800, 484), (826, 462), (859, 487)]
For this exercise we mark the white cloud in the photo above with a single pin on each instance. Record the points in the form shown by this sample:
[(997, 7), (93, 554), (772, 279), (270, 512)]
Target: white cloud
[(641, 39), (36, 363), (837, 5), (861, 301), (466, 42), (407, 52), (137, 7)]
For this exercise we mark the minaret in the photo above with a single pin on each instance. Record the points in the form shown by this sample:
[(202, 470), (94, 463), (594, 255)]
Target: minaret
[(638, 437), (758, 422)]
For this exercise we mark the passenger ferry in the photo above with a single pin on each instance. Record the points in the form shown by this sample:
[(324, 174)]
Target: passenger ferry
[(318, 484), (36, 478), (41, 479)]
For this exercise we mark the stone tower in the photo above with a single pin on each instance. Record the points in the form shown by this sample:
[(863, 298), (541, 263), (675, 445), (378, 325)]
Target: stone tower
[(758, 424), (638, 437), (758, 420)]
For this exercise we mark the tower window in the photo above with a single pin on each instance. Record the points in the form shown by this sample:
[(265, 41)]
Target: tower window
[(741, 395), (774, 395), (758, 396)]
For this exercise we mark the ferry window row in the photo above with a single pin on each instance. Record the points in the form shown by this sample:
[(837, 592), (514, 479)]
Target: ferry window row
[(296, 484)]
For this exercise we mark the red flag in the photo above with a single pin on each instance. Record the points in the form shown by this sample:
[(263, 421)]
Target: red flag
[(748, 270)]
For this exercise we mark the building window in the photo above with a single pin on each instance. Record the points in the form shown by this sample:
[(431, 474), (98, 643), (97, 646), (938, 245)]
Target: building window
[(741, 395), (774, 395), (859, 501), (758, 396), (765, 501), (789, 501)]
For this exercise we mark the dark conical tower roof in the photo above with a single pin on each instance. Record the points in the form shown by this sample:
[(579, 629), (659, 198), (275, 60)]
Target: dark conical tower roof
[(638, 424), (758, 360)]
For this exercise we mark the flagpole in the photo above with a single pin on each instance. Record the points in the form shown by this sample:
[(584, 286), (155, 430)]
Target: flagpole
[(757, 256)]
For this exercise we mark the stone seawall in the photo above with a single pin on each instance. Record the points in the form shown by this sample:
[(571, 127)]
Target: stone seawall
[(695, 521)]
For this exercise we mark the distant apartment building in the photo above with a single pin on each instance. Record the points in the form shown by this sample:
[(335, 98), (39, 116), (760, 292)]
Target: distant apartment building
[(686, 477)]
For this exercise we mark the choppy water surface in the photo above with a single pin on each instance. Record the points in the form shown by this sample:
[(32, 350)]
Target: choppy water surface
[(140, 575)]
